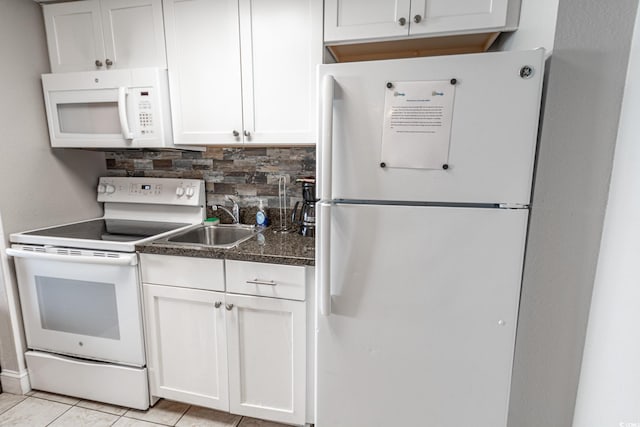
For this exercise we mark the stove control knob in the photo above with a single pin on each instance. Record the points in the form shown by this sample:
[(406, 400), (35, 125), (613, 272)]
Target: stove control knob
[(110, 189), (101, 188), (190, 192), (180, 191)]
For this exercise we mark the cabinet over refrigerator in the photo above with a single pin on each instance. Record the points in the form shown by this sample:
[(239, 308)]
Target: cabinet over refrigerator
[(425, 168)]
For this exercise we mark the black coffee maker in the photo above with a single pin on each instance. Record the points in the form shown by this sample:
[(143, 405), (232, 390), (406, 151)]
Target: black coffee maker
[(304, 220)]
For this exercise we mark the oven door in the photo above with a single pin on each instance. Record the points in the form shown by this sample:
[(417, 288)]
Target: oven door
[(81, 302)]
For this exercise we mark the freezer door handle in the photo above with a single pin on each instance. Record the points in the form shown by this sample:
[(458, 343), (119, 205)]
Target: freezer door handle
[(324, 279), (326, 137)]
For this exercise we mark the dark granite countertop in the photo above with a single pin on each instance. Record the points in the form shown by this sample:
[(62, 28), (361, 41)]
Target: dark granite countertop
[(267, 246)]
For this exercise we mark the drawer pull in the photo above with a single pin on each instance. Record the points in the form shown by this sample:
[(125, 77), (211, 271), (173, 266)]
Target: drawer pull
[(261, 282)]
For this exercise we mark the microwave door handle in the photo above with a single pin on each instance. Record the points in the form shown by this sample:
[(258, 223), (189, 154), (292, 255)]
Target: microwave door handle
[(122, 112)]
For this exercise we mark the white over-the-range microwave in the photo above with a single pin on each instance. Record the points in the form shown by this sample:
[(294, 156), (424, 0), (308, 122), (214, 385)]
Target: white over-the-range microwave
[(111, 109)]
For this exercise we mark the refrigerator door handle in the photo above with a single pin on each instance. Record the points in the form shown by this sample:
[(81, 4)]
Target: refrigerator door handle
[(324, 272), (326, 137)]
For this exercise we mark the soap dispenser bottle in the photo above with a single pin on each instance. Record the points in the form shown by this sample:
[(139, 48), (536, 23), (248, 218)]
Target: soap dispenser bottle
[(261, 216)]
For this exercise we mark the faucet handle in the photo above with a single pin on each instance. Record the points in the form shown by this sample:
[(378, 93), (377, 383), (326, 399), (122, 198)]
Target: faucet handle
[(235, 209)]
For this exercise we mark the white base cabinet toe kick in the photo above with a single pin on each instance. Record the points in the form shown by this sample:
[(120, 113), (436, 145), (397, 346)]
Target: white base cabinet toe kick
[(245, 354)]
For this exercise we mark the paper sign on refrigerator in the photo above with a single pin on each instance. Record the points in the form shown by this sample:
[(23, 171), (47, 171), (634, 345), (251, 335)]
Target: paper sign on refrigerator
[(417, 124)]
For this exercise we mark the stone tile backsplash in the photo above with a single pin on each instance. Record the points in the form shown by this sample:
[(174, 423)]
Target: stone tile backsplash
[(248, 173)]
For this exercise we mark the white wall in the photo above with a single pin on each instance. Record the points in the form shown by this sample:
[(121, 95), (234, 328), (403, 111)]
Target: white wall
[(537, 27), (38, 186), (586, 78), (609, 391)]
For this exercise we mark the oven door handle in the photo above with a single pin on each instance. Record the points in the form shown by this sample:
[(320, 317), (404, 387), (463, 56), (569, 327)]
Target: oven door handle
[(123, 259)]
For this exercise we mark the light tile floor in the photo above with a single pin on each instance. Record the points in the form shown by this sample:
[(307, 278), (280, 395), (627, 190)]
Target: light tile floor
[(40, 409)]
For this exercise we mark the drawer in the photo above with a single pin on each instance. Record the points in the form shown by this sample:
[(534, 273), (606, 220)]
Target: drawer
[(185, 272), (117, 385), (266, 280)]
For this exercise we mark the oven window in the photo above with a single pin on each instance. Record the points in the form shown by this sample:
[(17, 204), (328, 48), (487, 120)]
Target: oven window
[(89, 118), (78, 307)]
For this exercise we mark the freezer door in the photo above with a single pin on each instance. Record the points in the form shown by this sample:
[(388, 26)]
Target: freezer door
[(472, 140), (422, 318)]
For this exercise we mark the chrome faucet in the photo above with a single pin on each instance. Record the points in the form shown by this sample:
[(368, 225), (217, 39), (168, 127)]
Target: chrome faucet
[(235, 210)]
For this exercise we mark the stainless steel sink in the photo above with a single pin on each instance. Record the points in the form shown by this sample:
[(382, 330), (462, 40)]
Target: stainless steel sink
[(219, 236)]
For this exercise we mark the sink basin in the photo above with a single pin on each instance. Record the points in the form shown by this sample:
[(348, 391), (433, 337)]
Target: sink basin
[(219, 236)]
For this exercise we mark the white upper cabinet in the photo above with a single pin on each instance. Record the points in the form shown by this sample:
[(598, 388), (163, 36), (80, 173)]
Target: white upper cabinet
[(363, 19), (134, 33), (203, 54), (281, 46), (74, 36), (447, 16), (243, 71), (105, 34), (369, 19)]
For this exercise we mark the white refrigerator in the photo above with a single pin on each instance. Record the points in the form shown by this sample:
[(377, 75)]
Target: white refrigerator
[(425, 168)]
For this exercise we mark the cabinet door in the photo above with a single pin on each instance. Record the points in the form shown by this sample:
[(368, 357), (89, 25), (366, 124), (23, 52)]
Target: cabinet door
[(267, 358), (203, 56), (186, 345), (446, 16), (281, 45), (133, 33), (74, 36), (364, 19)]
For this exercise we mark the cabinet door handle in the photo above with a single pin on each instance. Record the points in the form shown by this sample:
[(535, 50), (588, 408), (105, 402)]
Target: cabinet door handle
[(235, 133), (416, 19), (108, 62), (217, 304), (402, 21), (262, 282), (229, 307), (247, 134), (98, 63)]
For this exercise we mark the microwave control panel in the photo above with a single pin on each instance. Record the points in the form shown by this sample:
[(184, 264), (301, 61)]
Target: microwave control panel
[(144, 105)]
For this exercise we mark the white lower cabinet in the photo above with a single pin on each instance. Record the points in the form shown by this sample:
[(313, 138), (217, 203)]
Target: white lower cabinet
[(245, 354), (187, 345), (267, 357)]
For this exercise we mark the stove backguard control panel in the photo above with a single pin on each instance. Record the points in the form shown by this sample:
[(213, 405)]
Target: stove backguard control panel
[(165, 191)]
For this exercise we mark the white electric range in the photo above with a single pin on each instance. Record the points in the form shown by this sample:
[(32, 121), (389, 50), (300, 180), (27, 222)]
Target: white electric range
[(80, 289)]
